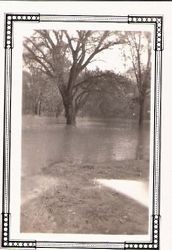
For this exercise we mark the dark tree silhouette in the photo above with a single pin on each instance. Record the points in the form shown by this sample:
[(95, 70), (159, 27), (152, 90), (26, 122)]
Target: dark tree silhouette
[(110, 95)]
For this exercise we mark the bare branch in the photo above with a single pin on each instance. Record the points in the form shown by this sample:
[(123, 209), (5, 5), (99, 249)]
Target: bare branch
[(42, 53), (70, 45), (48, 72), (88, 79), (47, 36), (97, 50)]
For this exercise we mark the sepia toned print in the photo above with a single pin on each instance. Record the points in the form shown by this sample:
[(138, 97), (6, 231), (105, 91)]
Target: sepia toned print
[(86, 132)]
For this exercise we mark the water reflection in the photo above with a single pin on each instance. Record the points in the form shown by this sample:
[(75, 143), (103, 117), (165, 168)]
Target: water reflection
[(142, 144), (91, 141)]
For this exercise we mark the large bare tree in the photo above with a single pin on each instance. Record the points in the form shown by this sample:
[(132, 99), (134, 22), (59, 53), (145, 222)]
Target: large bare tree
[(140, 57), (64, 56)]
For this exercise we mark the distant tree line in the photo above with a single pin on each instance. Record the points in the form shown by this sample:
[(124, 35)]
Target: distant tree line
[(111, 95), (56, 79)]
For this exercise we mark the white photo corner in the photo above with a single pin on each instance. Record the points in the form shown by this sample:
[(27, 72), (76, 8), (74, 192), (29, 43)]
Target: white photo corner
[(81, 163)]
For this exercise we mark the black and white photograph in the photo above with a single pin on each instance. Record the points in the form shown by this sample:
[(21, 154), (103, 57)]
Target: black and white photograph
[(81, 126), (86, 114)]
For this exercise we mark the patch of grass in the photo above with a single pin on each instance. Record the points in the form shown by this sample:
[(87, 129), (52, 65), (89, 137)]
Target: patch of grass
[(127, 169), (78, 205)]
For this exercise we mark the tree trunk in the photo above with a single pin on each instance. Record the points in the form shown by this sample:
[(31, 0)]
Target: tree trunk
[(70, 109), (70, 114), (139, 147), (141, 112), (38, 108)]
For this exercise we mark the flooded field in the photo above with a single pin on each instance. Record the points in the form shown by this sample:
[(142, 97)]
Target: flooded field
[(61, 171)]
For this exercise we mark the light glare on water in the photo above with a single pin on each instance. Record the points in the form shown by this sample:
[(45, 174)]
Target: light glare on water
[(137, 190)]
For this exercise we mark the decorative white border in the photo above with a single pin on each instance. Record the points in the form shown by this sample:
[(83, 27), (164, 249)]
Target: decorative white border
[(158, 47)]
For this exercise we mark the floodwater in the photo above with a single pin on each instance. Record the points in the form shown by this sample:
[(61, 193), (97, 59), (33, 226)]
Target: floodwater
[(92, 141), (137, 190), (92, 178)]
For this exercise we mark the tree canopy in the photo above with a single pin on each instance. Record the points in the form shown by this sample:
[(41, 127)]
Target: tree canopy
[(57, 64), (64, 57)]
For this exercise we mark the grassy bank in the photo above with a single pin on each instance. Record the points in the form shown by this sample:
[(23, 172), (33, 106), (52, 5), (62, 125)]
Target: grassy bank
[(76, 204)]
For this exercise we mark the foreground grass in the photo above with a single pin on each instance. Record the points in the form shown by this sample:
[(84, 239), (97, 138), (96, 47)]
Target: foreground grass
[(75, 204)]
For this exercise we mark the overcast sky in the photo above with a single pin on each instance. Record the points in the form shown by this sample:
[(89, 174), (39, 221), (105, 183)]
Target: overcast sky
[(110, 59)]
